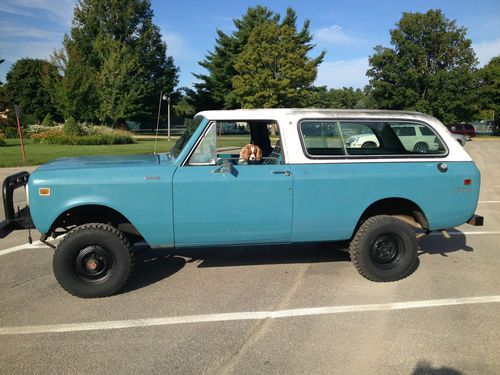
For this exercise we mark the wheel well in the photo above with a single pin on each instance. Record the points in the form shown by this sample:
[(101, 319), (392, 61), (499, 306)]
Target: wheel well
[(404, 209), (94, 214)]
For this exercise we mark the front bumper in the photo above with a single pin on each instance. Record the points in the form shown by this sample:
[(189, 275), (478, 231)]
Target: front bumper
[(14, 220)]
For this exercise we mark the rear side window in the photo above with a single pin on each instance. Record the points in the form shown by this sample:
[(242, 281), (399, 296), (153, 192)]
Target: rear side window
[(322, 138), (366, 138)]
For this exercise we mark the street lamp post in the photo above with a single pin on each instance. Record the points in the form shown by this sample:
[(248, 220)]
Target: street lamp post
[(162, 97), (168, 117)]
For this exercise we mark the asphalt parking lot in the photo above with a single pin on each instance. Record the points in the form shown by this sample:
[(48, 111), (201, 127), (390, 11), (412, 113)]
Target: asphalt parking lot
[(280, 309)]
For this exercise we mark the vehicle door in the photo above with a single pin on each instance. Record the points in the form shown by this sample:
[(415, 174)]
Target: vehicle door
[(218, 200)]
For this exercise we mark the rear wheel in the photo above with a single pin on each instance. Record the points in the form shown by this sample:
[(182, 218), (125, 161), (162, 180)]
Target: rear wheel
[(369, 144), (93, 260), (384, 249), (421, 147)]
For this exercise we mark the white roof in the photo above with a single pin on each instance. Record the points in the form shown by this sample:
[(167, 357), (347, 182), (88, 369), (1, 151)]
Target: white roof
[(288, 118), (281, 113)]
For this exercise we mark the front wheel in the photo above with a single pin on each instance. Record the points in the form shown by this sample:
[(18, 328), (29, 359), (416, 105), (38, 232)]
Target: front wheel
[(93, 260), (384, 249)]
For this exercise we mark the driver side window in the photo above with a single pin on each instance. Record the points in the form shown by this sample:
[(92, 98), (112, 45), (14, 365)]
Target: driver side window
[(206, 151), (239, 142)]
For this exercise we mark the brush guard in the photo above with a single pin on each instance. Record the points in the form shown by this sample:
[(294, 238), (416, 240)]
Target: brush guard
[(14, 220)]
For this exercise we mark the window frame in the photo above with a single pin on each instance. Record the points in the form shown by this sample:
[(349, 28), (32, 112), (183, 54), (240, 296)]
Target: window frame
[(379, 156), (185, 162)]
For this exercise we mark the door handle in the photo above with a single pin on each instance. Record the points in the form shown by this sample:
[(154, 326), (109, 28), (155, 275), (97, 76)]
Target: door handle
[(286, 173)]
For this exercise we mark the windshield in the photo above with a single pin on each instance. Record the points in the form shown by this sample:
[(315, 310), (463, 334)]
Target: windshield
[(184, 138)]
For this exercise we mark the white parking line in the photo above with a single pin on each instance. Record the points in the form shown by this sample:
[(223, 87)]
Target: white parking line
[(26, 246), (488, 202), (457, 233), (242, 316)]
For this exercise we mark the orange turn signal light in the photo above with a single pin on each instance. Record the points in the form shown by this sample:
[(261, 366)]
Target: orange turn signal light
[(44, 192)]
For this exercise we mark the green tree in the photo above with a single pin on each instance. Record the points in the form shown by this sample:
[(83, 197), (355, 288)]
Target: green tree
[(344, 98), (489, 78), (48, 120), (122, 90), (1, 62), (71, 127), (183, 108), (273, 69), (215, 89), (74, 92), (4, 100), (114, 62), (430, 68), (25, 88)]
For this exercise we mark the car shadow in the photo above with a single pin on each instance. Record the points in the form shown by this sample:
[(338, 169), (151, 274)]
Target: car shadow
[(426, 368), (438, 244), (154, 265), (264, 254)]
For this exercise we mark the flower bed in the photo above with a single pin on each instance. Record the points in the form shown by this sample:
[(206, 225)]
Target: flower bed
[(91, 135)]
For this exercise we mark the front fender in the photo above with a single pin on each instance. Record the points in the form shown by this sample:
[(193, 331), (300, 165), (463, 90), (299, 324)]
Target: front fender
[(146, 203)]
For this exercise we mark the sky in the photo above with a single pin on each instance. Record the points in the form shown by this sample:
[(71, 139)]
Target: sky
[(347, 29)]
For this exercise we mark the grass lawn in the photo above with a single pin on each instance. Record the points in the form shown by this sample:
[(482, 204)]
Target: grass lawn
[(11, 155)]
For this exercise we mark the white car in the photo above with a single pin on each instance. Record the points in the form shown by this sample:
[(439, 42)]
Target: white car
[(415, 138)]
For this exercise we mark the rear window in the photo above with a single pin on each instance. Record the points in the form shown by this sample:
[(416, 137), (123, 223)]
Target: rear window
[(369, 138)]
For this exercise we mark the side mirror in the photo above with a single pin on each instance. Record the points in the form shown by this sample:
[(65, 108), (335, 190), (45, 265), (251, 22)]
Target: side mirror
[(228, 165)]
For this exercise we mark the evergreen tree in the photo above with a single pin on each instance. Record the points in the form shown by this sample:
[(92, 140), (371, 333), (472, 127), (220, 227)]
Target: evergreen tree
[(114, 62), (48, 120), (344, 98), (71, 127), (273, 69), (215, 89), (430, 69)]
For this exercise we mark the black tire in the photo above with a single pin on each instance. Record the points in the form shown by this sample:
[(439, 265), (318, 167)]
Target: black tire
[(369, 144), (384, 249), (93, 260), (421, 148)]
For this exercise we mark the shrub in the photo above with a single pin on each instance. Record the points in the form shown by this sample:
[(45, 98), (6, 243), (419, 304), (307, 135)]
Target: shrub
[(35, 129), (2, 140), (57, 136), (71, 127), (48, 120), (10, 132)]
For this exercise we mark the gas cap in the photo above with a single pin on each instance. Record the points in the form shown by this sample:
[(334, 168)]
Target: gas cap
[(442, 167)]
